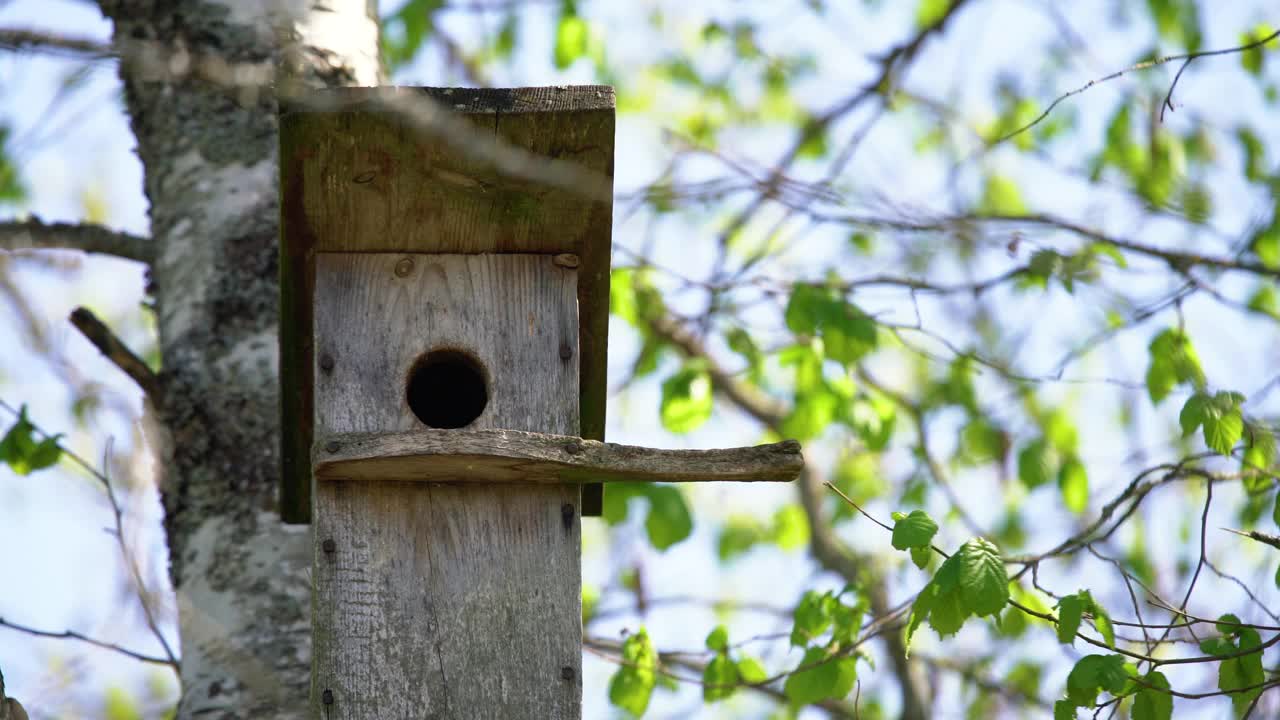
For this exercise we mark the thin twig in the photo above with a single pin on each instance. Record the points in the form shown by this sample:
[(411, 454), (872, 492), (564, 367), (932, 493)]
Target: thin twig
[(1132, 68), (118, 517), (135, 573), (73, 635)]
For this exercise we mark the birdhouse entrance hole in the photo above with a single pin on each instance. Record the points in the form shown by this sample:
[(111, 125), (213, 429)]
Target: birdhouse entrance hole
[(447, 389)]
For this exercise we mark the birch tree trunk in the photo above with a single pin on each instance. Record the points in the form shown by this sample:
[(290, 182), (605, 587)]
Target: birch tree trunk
[(209, 154)]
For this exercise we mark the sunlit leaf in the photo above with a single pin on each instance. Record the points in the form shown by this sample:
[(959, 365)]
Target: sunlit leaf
[(1073, 482), (686, 399), (1001, 196), (984, 585), (719, 678), (823, 678), (1150, 703), (632, 684), (914, 530)]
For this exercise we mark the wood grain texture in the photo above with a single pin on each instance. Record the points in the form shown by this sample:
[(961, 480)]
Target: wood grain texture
[(466, 456), (356, 179), (445, 601)]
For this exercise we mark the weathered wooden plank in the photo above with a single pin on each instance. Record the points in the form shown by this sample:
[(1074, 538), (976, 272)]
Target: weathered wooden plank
[(465, 456), (356, 178), (445, 601)]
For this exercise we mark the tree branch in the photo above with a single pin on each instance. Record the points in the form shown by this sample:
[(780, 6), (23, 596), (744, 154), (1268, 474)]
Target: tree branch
[(826, 548), (117, 352), (34, 234), (25, 40)]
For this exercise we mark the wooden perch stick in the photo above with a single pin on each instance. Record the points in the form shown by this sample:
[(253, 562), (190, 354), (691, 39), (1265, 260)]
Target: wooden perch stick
[(498, 456)]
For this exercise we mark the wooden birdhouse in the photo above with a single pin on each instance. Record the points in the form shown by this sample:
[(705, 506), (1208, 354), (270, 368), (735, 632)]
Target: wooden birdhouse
[(444, 308)]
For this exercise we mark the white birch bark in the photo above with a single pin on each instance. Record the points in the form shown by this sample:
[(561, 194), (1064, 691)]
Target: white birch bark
[(210, 166)]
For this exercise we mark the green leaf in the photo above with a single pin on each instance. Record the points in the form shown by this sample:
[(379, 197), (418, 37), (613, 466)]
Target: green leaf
[(686, 399), (1241, 671), (848, 334), (1266, 243), (862, 242), (1037, 463), (1173, 362), (920, 556), (930, 12), (719, 678), (119, 706), (1073, 482), (632, 685), (790, 527), (1043, 265), (1251, 59), (718, 639), (1102, 621), (873, 417), (740, 534), (811, 617), (751, 670), (572, 36), (1001, 196), (1255, 153), (1177, 21), (1259, 456), (813, 412), (828, 679), (1193, 413), (805, 309), (404, 32), (1264, 301), (981, 441), (11, 188), (1064, 710), (984, 584), (22, 452), (1070, 610), (915, 530), (1095, 673), (1150, 703), (948, 613), (1223, 426), (669, 520)]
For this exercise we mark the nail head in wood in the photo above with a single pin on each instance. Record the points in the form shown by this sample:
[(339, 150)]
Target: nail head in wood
[(566, 352), (326, 363), (329, 545), (404, 268), (567, 673), (332, 446), (566, 260), (327, 697)]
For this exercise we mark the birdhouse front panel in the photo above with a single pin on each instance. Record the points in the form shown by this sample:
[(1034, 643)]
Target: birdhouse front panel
[(405, 341), (457, 595)]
